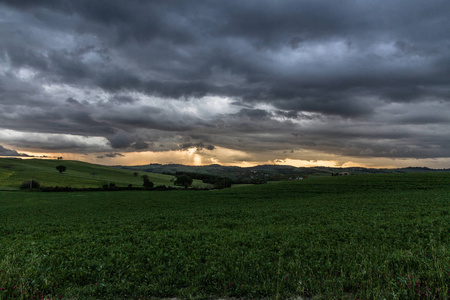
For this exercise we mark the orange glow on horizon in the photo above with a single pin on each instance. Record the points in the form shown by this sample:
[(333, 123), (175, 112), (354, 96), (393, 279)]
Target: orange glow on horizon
[(230, 157)]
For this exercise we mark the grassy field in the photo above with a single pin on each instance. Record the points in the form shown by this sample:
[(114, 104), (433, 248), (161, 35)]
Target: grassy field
[(367, 237), (78, 174)]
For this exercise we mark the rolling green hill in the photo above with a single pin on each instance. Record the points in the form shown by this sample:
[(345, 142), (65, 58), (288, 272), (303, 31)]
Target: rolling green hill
[(269, 172), (78, 174)]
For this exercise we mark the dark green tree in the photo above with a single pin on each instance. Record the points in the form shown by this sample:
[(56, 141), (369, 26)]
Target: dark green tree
[(29, 184), (183, 180), (223, 183), (147, 183), (61, 168)]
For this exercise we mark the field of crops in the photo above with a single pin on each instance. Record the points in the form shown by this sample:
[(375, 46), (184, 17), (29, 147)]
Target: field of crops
[(78, 174), (367, 237)]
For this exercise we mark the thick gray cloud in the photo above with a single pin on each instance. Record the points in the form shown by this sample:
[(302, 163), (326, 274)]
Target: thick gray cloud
[(110, 155), (9, 152), (355, 78), (199, 146)]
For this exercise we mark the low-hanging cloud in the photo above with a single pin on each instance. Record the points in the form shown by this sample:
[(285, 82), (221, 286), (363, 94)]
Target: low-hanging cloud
[(8, 152), (110, 155)]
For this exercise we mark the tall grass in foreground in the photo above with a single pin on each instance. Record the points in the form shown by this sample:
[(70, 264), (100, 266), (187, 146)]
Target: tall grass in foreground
[(366, 237)]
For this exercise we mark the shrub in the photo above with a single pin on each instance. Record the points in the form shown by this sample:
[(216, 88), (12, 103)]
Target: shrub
[(109, 186), (147, 183), (61, 168), (29, 184), (183, 180), (223, 184)]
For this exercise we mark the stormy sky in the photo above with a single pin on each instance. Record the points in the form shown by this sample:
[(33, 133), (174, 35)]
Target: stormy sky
[(234, 82)]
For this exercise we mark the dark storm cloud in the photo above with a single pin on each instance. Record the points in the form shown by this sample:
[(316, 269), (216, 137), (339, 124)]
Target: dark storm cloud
[(200, 146), (316, 69), (9, 152), (73, 102), (121, 100), (120, 140), (53, 120), (184, 43), (140, 145), (110, 155)]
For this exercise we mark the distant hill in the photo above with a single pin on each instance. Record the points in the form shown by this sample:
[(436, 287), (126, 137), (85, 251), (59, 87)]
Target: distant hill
[(360, 170), (267, 172), (77, 175), (256, 174), (85, 175)]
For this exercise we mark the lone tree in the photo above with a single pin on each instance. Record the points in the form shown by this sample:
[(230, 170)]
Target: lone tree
[(183, 180), (61, 168), (135, 174), (147, 183)]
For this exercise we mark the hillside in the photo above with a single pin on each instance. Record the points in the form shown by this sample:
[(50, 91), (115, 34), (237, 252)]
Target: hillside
[(78, 174), (85, 175), (269, 172), (258, 174)]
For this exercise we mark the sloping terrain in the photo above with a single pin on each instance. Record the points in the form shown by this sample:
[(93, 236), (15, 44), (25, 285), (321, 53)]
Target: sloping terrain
[(77, 175), (269, 172)]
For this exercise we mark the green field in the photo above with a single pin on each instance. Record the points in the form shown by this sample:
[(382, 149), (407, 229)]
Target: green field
[(366, 236), (78, 174)]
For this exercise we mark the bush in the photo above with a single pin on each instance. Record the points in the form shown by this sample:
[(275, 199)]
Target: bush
[(223, 184), (147, 183), (109, 186), (29, 184), (61, 168), (183, 180)]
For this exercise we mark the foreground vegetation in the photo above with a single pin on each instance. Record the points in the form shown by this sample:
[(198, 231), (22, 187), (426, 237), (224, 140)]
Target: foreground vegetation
[(369, 236)]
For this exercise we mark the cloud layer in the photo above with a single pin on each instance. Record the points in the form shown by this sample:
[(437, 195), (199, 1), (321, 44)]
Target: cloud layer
[(359, 79), (8, 152)]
